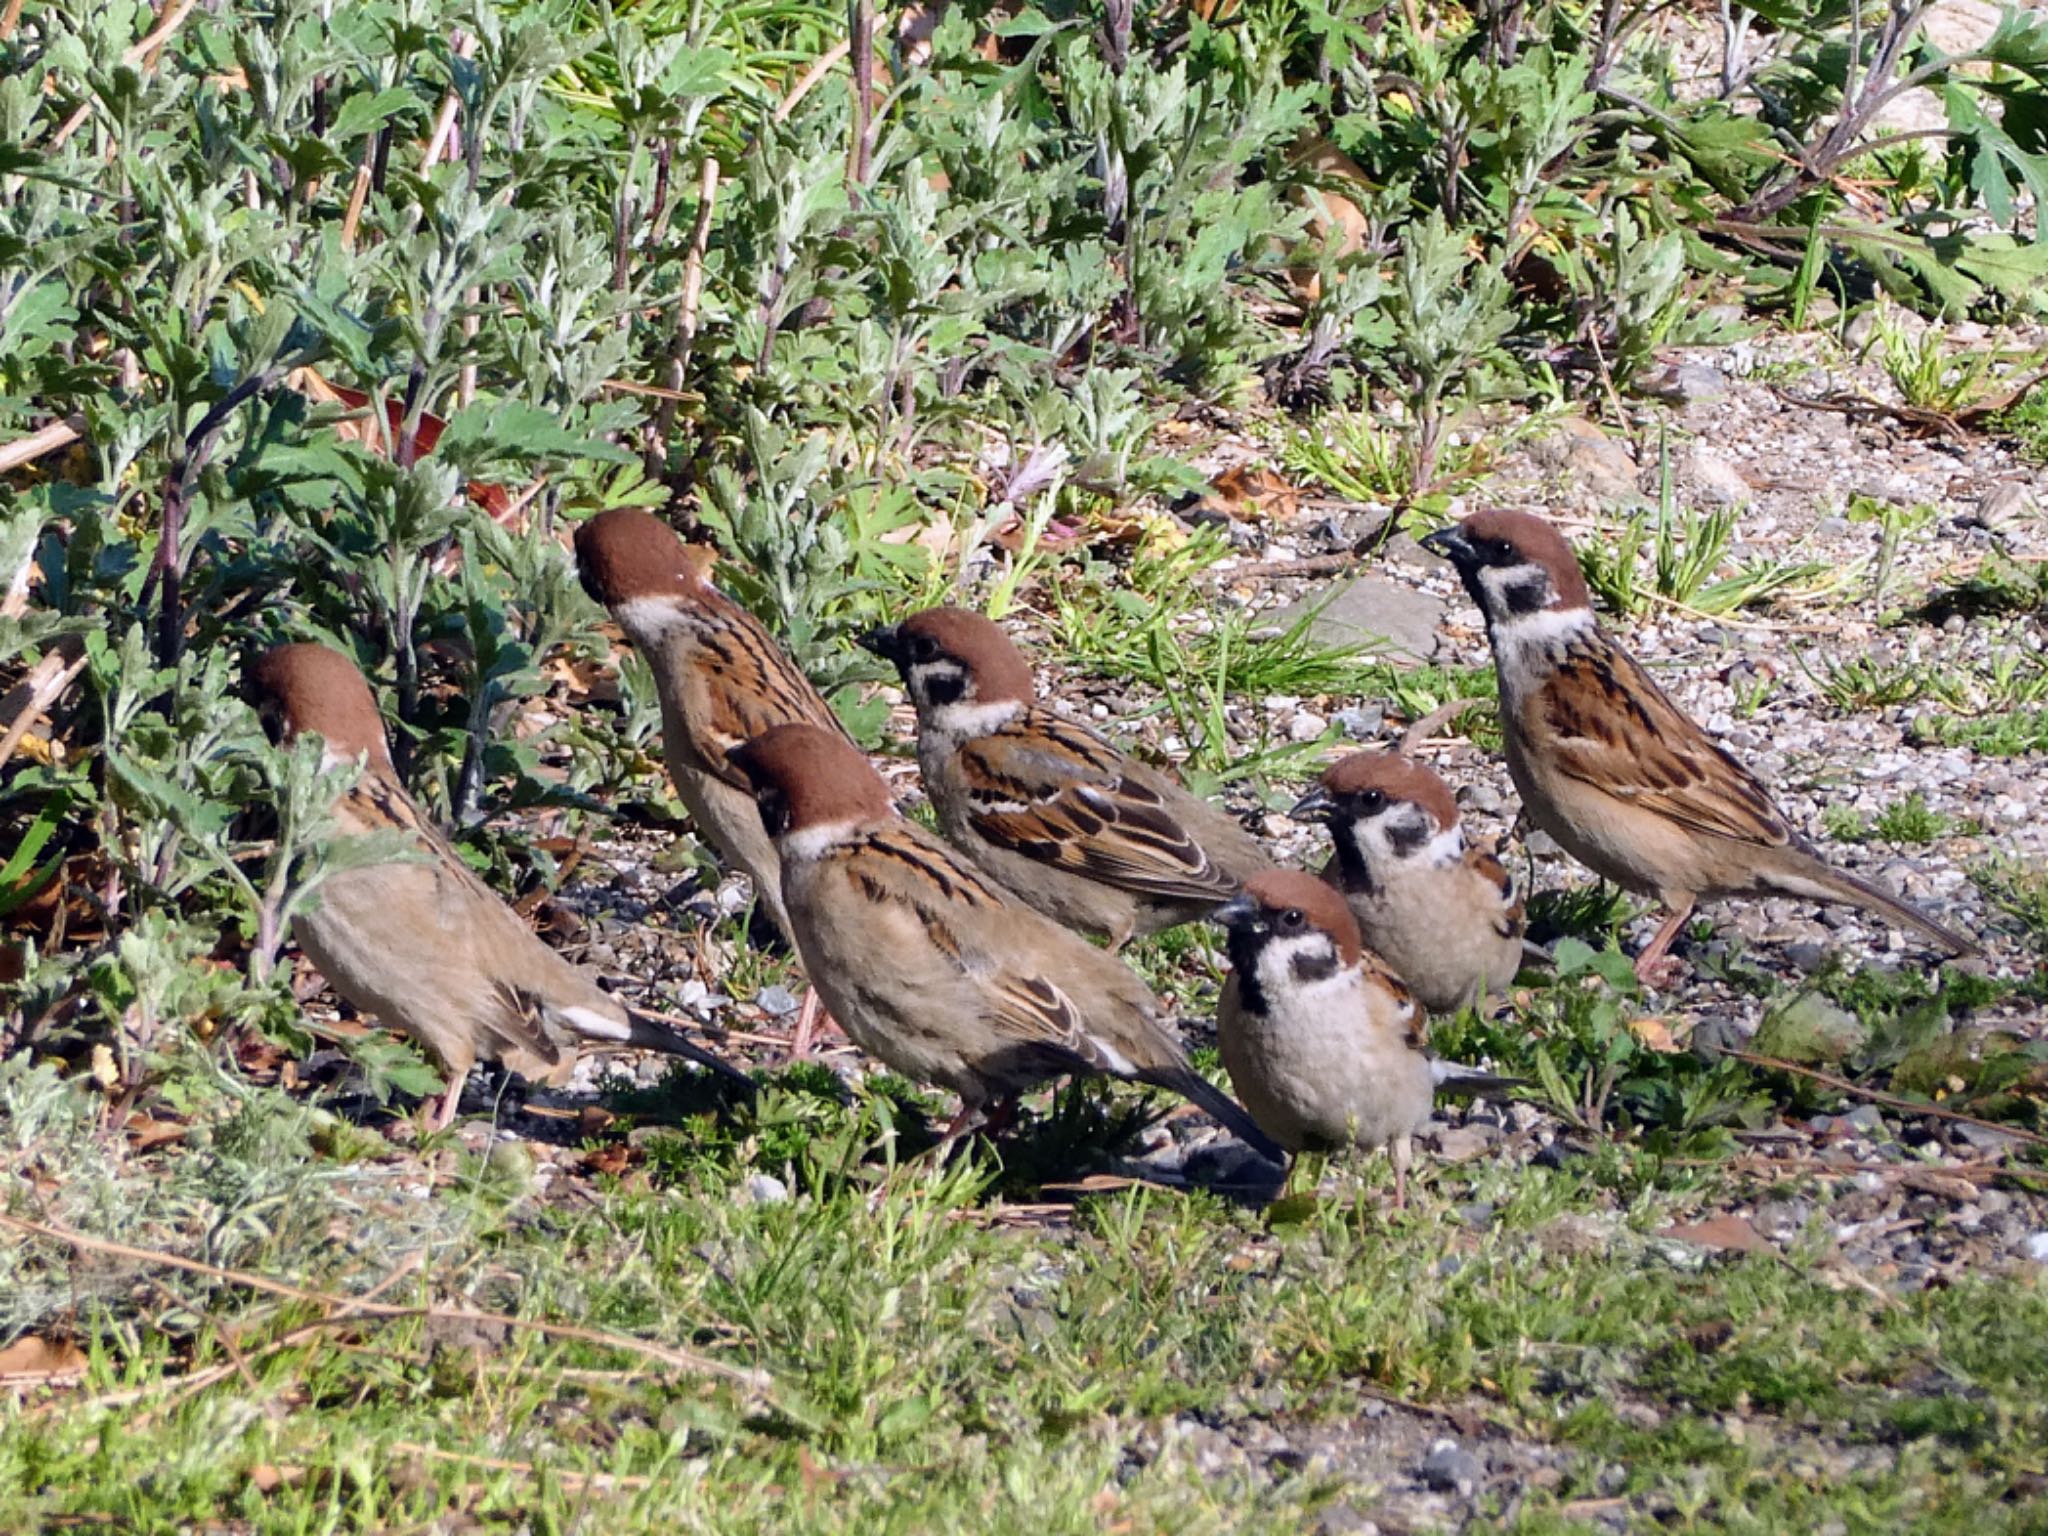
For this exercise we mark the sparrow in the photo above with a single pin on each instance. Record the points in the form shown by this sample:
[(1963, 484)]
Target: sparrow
[(1625, 781), (933, 968), (1081, 832), (421, 943), (1443, 914), (1323, 1042), (721, 677)]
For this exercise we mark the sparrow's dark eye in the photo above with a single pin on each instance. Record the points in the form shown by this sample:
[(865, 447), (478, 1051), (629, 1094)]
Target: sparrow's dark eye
[(1291, 920), (774, 811), (923, 648), (1372, 802)]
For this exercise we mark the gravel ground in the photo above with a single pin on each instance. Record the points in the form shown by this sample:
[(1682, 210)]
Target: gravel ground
[(1890, 1201)]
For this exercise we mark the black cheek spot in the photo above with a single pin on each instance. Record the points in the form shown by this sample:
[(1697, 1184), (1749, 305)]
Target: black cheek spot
[(1527, 596), (942, 686), (1406, 835), (1314, 965)]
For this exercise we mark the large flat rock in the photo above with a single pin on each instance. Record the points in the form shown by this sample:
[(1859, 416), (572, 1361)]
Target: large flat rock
[(1371, 611)]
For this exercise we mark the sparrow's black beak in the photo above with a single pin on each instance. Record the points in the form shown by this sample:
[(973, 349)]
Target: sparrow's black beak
[(1450, 543), (885, 641), (1240, 909), (1315, 805)]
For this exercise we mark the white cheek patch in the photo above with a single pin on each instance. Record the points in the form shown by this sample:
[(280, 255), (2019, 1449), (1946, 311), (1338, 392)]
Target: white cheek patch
[(1545, 628), (1304, 967), (810, 843), (647, 619), (1447, 847), (965, 721)]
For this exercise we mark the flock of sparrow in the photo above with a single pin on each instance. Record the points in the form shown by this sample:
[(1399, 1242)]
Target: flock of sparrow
[(964, 961)]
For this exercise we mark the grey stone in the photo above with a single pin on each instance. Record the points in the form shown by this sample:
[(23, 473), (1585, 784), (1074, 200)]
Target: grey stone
[(1364, 722), (1685, 383), (2006, 506), (2035, 1247), (1866, 1118), (1718, 482), (1450, 1468), (1343, 1520), (1460, 1144), (1594, 464), (777, 1000), (1781, 1220), (1371, 611), (766, 1189)]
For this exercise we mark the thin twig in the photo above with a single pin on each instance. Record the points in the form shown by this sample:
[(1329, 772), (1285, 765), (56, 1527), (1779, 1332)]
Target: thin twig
[(146, 52), (26, 450), (35, 693), (807, 81), (444, 121), (1424, 728), (357, 196), (1890, 1100), (647, 1348), (575, 1482)]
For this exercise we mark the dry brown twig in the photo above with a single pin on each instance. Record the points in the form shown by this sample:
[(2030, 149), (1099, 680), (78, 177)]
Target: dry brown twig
[(1431, 723), (575, 1482), (26, 450), (1889, 1100), (46, 680)]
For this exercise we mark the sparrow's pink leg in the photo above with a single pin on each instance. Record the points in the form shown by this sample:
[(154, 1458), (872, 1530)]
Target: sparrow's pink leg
[(1653, 967), (450, 1101), (811, 1021)]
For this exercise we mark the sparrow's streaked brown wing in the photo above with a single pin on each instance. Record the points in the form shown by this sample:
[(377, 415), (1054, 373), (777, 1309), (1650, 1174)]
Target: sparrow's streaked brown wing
[(926, 898), (740, 683), (1609, 726), (475, 929), (1050, 792)]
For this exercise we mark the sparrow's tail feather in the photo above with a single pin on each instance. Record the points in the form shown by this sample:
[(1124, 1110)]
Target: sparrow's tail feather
[(650, 1034), (1463, 1079), (1823, 880), (1197, 1089)]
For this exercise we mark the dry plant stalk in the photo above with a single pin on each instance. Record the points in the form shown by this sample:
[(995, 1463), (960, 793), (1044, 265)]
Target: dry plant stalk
[(663, 1354)]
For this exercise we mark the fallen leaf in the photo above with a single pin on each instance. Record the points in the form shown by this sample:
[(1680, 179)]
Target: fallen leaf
[(612, 1160), (493, 499), (1328, 210), (145, 1133), (1658, 1035), (32, 1358), (1724, 1233), (1932, 1181), (1246, 491)]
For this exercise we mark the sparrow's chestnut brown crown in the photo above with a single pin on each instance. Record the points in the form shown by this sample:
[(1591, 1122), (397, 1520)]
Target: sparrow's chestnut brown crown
[(625, 554), (1365, 782), (308, 687), (805, 776), (1503, 537), (1284, 903), (996, 672)]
